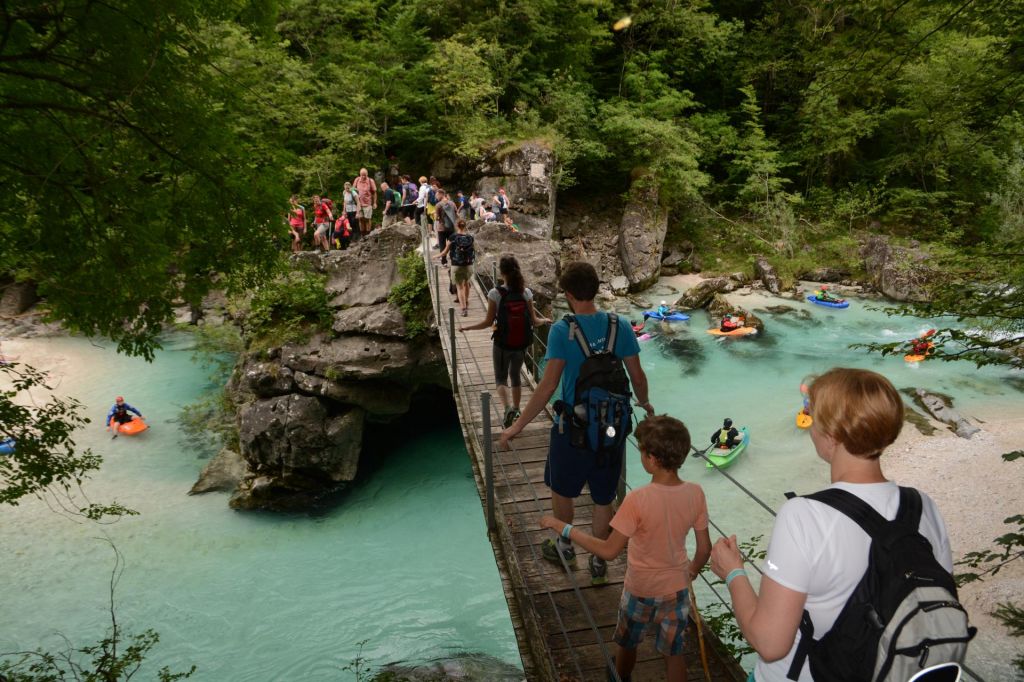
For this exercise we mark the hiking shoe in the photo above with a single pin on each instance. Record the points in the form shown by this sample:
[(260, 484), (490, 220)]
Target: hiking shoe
[(549, 550), (598, 571), (510, 417)]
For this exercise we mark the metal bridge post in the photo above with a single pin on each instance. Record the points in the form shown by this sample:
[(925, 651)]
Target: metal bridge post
[(437, 297), (485, 407), (451, 340)]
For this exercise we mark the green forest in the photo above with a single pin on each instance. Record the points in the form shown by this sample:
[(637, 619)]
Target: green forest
[(165, 137)]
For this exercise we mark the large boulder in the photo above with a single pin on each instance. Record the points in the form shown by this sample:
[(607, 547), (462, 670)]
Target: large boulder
[(268, 379), (17, 298), (701, 293), (764, 272), (379, 399), (642, 234), (899, 272), (680, 259), (720, 306), (825, 274), (536, 257), (942, 409), (224, 472), (363, 358), (526, 171), (384, 319), (295, 450), (364, 274)]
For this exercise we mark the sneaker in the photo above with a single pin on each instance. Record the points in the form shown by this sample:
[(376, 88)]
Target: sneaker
[(549, 550), (510, 417), (598, 571)]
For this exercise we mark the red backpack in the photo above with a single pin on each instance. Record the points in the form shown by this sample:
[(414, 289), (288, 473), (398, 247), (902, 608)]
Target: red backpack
[(515, 326)]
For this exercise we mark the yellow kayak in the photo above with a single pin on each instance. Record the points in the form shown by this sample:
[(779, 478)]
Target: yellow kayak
[(803, 421)]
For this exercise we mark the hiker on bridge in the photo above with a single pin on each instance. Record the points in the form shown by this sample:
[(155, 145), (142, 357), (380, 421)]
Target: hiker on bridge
[(591, 353)]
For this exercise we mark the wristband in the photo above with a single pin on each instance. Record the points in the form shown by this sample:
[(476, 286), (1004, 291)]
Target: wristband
[(733, 574), (566, 531)]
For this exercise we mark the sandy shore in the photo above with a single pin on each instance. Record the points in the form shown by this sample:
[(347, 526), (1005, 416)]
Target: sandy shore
[(975, 490)]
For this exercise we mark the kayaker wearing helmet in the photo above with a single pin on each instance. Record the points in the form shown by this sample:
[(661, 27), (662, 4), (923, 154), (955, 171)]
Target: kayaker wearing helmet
[(638, 327), (823, 294), (119, 412), (726, 437), (923, 344), (731, 322), (665, 309)]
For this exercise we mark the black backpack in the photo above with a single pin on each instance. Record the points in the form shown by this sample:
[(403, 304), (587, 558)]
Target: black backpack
[(514, 329), (902, 617), (463, 252), (601, 414)]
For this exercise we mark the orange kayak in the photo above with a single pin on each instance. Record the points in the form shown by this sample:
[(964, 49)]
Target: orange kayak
[(132, 428), (742, 331)]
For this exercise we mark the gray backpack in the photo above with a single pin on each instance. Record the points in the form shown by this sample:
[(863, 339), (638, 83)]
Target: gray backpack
[(902, 617)]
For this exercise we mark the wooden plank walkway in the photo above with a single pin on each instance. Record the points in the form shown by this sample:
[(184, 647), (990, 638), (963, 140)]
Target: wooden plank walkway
[(556, 639)]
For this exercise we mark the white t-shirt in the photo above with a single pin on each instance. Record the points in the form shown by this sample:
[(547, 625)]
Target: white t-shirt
[(421, 198), (495, 295), (821, 552)]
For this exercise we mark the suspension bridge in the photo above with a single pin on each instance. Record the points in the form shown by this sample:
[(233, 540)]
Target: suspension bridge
[(563, 624)]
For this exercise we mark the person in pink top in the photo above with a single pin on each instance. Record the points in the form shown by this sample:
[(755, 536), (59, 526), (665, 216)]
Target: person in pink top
[(366, 190), (655, 519)]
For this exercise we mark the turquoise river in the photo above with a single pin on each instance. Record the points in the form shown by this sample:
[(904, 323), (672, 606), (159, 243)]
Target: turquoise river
[(400, 568)]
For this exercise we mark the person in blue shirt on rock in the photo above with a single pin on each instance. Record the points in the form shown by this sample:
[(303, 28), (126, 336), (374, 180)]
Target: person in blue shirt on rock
[(119, 412), (569, 467)]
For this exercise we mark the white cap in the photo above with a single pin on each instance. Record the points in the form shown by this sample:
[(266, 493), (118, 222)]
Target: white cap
[(663, 303)]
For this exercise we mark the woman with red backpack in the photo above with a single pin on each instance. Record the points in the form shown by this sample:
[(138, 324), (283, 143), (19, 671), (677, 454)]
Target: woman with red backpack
[(510, 309)]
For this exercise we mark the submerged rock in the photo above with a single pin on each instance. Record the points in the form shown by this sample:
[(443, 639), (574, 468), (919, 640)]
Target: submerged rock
[(941, 408), (223, 472), (463, 668)]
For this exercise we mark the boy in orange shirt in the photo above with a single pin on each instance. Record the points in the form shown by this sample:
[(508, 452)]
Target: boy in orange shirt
[(655, 519)]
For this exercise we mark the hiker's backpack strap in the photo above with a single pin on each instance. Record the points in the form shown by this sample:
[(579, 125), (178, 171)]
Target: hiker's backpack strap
[(576, 333), (910, 507), (870, 521), (613, 333), (803, 648)]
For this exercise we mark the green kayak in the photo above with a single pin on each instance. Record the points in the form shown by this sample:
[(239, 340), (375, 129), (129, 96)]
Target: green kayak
[(724, 458)]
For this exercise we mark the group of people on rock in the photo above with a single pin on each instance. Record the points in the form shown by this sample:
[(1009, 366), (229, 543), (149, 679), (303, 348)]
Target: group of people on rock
[(818, 552), (426, 203)]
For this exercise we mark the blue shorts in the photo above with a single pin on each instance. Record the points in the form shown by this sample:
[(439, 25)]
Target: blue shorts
[(668, 614), (569, 468)]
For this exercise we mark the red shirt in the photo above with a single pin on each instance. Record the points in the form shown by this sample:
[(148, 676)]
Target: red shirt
[(298, 218), (366, 188), (322, 213)]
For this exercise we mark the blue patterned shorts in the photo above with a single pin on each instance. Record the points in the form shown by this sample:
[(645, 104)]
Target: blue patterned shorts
[(668, 614)]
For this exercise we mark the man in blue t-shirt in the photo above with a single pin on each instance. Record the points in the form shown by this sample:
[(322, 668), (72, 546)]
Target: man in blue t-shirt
[(569, 468)]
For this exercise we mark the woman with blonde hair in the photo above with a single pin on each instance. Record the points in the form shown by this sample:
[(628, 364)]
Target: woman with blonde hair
[(818, 554)]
